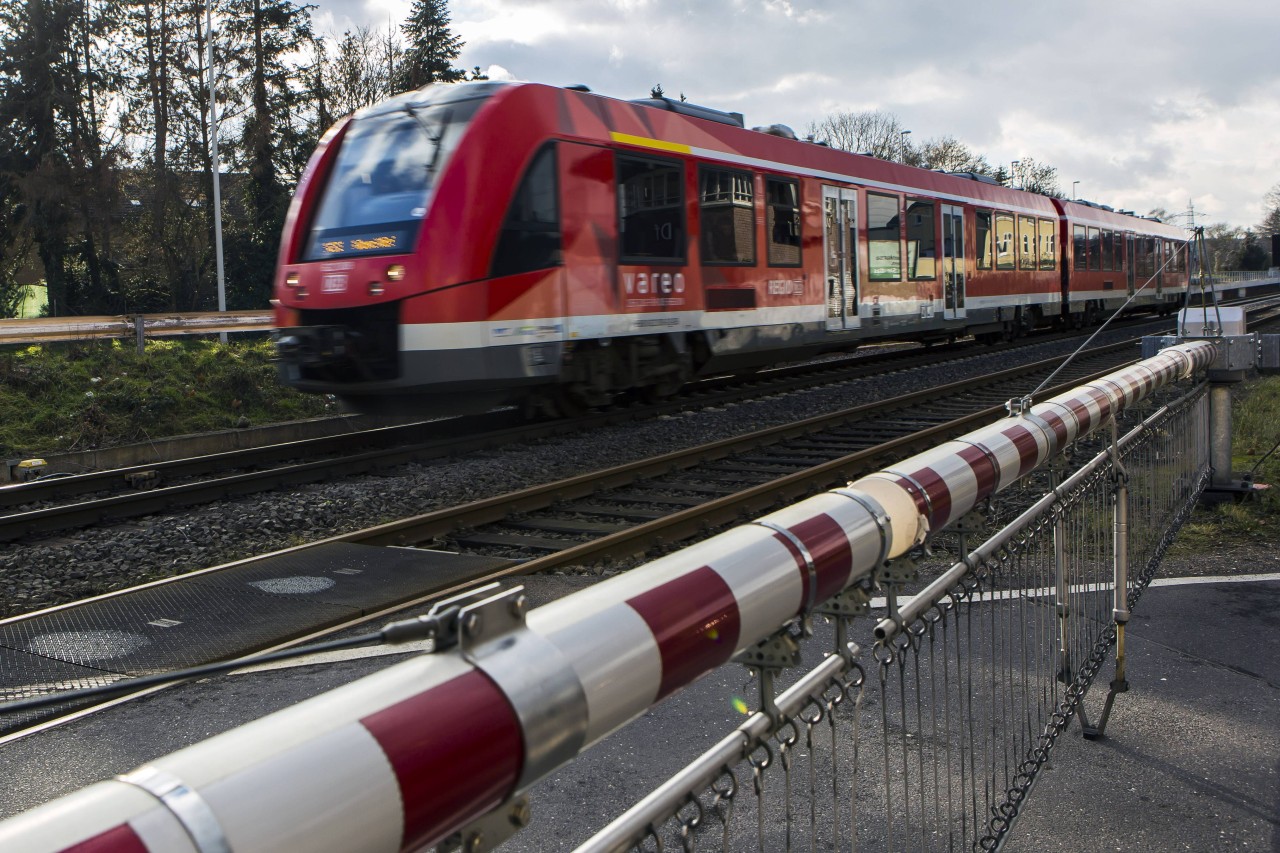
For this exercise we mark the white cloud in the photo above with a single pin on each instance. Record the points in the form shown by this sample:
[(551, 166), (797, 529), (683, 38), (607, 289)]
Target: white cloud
[(1147, 102)]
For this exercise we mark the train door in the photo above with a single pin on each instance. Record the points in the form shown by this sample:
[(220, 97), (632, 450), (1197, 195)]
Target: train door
[(1157, 252), (953, 262), (1130, 263), (840, 248)]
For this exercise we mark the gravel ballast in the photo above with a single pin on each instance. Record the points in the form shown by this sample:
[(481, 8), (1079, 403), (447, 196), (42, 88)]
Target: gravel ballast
[(69, 567)]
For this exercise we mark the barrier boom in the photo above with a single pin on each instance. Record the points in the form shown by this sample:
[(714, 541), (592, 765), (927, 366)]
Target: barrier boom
[(404, 758)]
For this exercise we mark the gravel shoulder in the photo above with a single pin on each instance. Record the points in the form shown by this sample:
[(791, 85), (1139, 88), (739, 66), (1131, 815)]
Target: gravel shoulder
[(38, 574)]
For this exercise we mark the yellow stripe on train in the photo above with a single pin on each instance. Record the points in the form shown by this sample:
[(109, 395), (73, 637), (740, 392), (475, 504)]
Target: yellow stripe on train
[(645, 142)]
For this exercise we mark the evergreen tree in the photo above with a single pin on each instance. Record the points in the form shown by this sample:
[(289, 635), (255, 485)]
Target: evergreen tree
[(431, 49), (276, 139), (54, 167), (1253, 255)]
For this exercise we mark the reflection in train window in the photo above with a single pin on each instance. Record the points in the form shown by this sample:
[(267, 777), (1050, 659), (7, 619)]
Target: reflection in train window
[(1095, 249), (1004, 241), (1026, 242), (651, 209), (982, 219), (922, 240), (884, 236), (782, 222), (1048, 244), (727, 207)]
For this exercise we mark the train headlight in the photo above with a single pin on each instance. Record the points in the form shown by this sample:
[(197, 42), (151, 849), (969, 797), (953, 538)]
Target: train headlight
[(291, 280), (376, 288), (300, 292), (395, 272)]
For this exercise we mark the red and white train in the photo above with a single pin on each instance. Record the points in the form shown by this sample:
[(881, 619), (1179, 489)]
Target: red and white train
[(467, 245)]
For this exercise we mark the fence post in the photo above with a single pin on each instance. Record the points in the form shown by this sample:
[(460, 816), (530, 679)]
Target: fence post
[(1120, 559), (137, 331)]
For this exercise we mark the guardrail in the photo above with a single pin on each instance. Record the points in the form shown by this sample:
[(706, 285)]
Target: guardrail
[(1237, 276), (138, 326), (443, 746)]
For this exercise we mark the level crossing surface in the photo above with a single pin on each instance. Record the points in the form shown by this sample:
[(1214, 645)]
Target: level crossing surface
[(1191, 759)]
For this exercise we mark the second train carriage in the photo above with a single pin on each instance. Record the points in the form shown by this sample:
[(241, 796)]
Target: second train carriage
[(466, 245)]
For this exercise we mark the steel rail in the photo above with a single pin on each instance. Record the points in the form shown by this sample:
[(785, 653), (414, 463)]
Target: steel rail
[(478, 432), (264, 471), (668, 530), (691, 521)]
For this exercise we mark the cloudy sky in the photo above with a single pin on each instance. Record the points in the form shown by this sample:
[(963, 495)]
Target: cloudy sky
[(1147, 103)]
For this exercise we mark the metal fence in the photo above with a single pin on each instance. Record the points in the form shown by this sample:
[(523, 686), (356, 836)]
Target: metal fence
[(35, 330), (937, 742)]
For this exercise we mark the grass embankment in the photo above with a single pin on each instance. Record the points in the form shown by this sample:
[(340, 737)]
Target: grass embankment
[(81, 396), (1256, 428)]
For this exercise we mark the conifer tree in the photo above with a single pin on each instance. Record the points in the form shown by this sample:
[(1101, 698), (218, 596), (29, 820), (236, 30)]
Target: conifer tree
[(431, 49)]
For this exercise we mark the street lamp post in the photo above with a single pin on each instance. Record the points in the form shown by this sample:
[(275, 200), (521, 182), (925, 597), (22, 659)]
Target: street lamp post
[(902, 145), (216, 167), (1013, 174), (1074, 184)]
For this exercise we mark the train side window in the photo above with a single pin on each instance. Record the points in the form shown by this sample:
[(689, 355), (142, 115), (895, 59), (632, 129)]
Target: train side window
[(530, 237), (982, 221), (1080, 246), (884, 237), (1107, 261), (1048, 244), (650, 209), (1005, 249), (922, 240), (782, 222), (726, 202), (1117, 249), (1095, 249), (1149, 256), (1026, 242)]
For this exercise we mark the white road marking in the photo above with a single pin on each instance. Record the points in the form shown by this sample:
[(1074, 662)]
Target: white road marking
[(876, 603)]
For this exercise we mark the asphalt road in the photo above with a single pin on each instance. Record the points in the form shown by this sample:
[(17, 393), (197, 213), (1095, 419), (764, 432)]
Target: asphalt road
[(1190, 761)]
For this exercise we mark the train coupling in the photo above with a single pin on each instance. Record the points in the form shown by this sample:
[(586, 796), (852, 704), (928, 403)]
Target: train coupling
[(314, 345)]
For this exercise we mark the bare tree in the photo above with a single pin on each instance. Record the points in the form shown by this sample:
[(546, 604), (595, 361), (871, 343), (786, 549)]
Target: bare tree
[(1222, 243), (1036, 177), (1271, 221), (873, 132), (951, 155), (359, 74)]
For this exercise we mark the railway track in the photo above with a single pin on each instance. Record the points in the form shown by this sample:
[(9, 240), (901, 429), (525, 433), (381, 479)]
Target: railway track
[(52, 505), (301, 593)]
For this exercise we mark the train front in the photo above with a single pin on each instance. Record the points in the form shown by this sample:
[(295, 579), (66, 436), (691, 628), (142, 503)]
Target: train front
[(379, 240)]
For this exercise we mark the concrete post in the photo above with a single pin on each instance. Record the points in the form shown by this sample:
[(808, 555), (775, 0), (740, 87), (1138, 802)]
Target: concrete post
[(1220, 434)]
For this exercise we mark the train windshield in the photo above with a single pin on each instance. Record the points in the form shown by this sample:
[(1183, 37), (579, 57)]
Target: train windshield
[(381, 183)]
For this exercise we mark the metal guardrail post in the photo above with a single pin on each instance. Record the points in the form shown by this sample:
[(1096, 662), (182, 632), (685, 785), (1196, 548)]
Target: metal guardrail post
[(1120, 558), (1062, 601), (1220, 434)]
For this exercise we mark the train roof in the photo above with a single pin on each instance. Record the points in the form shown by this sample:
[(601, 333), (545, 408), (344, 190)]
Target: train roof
[(1087, 213), (665, 127)]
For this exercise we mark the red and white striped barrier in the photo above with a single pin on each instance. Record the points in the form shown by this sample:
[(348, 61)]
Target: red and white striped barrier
[(403, 758)]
